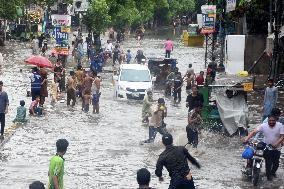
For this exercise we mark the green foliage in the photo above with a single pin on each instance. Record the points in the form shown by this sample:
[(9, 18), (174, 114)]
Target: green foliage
[(127, 13), (8, 9), (180, 7), (97, 18), (145, 11)]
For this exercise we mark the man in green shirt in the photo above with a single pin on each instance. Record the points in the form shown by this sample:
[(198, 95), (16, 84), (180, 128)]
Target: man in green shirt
[(56, 166)]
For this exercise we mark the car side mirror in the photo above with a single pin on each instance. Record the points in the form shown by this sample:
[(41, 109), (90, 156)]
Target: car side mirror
[(154, 79)]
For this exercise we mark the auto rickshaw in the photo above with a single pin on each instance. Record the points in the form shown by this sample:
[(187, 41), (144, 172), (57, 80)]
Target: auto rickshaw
[(161, 68), (225, 104)]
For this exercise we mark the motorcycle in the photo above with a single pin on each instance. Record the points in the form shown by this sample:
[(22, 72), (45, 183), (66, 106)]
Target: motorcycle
[(254, 164)]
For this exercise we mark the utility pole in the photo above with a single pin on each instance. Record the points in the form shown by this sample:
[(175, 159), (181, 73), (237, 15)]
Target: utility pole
[(62, 10), (209, 32)]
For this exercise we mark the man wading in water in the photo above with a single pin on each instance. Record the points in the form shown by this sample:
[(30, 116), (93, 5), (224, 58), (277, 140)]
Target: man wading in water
[(56, 166), (174, 158), (156, 124), (71, 91)]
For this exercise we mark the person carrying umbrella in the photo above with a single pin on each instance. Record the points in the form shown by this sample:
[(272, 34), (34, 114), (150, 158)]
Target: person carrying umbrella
[(43, 89)]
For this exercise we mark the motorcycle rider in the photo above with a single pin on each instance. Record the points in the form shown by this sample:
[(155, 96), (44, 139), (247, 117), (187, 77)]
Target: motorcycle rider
[(170, 80), (273, 135), (174, 158)]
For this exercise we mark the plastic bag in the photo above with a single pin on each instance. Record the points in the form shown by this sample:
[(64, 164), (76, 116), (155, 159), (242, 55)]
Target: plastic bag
[(248, 153)]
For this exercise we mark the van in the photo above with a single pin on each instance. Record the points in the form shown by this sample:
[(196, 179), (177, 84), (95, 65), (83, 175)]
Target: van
[(132, 82)]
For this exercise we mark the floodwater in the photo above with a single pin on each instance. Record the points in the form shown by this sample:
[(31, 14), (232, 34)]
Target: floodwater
[(104, 149)]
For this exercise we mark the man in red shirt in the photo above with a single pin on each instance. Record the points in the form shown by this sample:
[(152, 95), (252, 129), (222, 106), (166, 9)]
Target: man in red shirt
[(200, 78)]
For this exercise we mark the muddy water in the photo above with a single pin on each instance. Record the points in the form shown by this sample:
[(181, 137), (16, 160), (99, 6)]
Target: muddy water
[(104, 149)]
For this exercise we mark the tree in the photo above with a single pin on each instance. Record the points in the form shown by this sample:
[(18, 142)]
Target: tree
[(181, 7), (125, 16), (257, 15), (8, 9), (145, 12), (97, 17)]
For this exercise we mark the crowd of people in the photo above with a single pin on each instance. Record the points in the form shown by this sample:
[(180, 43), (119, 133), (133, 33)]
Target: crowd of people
[(153, 114), (85, 86)]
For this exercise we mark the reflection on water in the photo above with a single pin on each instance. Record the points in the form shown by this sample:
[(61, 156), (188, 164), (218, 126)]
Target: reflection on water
[(104, 149)]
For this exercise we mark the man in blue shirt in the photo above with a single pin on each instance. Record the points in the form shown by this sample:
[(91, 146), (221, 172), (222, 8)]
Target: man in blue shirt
[(4, 103), (35, 83)]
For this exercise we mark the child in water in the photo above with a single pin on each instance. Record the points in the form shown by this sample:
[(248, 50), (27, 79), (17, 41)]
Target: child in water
[(21, 113), (35, 109), (86, 100)]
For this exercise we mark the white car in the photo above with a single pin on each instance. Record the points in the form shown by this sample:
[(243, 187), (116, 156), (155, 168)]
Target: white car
[(133, 80)]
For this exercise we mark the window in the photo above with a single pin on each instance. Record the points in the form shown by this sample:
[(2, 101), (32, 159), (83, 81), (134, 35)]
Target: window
[(135, 75)]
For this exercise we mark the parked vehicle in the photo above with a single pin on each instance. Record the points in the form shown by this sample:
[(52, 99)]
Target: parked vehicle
[(133, 81), (254, 164)]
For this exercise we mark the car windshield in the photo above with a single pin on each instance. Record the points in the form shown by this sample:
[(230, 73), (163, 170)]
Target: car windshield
[(135, 75)]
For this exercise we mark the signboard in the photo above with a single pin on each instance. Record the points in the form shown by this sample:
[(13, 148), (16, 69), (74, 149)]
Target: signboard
[(61, 20), (248, 87), (62, 24), (61, 40), (59, 35), (61, 51), (200, 20), (231, 5), (209, 18)]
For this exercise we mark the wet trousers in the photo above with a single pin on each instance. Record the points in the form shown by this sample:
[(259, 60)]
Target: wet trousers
[(114, 59), (181, 183), (192, 136), (37, 111), (35, 93), (153, 132), (2, 121), (168, 54), (177, 95), (86, 107), (271, 161), (71, 95)]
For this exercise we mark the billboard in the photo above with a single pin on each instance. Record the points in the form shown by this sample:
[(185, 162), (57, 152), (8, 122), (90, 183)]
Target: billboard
[(208, 19), (61, 31), (61, 20)]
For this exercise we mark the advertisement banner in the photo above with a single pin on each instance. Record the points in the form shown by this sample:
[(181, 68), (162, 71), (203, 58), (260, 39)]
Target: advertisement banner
[(61, 20), (209, 18), (231, 5), (62, 40)]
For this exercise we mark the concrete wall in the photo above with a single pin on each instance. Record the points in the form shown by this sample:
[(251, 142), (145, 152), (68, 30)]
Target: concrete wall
[(255, 45)]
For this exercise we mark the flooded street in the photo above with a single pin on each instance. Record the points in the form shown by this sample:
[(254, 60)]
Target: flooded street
[(104, 150)]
